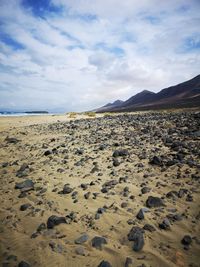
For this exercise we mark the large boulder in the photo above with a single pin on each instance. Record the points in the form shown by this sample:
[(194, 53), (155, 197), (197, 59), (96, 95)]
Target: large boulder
[(154, 202), (55, 220), (136, 235)]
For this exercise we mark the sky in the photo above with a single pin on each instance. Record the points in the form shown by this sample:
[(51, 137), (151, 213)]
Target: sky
[(76, 55)]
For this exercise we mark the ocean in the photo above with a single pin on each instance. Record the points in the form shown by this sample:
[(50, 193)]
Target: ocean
[(14, 114)]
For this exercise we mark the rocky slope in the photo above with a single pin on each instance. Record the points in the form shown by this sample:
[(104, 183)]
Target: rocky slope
[(186, 94)]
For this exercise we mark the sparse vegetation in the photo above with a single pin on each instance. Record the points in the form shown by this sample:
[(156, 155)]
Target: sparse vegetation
[(90, 114), (107, 114), (72, 115)]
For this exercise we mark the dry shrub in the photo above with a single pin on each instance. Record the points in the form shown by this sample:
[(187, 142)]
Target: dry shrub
[(90, 114), (72, 115)]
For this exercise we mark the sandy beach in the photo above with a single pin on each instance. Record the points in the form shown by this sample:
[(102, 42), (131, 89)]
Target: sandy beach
[(116, 189)]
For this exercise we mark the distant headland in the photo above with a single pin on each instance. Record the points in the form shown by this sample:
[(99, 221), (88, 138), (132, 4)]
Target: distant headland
[(37, 112)]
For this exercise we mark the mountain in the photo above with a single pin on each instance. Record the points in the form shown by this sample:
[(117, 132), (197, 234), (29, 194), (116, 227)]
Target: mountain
[(109, 106), (140, 98), (186, 94)]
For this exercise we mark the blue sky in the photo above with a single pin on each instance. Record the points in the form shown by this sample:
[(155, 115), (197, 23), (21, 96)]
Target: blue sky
[(63, 55)]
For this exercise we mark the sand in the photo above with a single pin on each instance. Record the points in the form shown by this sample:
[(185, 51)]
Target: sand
[(81, 155)]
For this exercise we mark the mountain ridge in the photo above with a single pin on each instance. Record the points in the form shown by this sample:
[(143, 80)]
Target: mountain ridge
[(180, 95)]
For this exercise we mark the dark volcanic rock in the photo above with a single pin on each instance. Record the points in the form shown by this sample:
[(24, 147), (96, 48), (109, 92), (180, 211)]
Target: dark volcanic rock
[(98, 241), (145, 190), (104, 264), (23, 167), (5, 164), (136, 235), (101, 210), (48, 152), (120, 153), (182, 192), (58, 248), (87, 195), (172, 194), (23, 170), (84, 186), (116, 162), (12, 140), (156, 161), (24, 264), (187, 240), (149, 227), (110, 184), (80, 251), (95, 169), (55, 220), (41, 227), (165, 224), (67, 189), (11, 257), (154, 202), (82, 239), (189, 198), (140, 215), (25, 207), (26, 185), (124, 205), (104, 190), (128, 262)]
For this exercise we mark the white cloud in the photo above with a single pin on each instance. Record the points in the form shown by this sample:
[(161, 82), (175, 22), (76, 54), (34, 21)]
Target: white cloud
[(93, 52)]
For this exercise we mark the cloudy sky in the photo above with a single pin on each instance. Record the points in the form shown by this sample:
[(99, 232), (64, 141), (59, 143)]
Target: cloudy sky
[(62, 55)]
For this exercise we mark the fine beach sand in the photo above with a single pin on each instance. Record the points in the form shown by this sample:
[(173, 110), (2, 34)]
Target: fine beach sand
[(80, 154)]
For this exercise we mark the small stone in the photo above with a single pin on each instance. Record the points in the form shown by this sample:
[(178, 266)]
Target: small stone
[(5, 164), (116, 162), (35, 235), (97, 216), (98, 241), (140, 215), (24, 264), (25, 186), (104, 190), (47, 152), (84, 186), (156, 161), (165, 225), (25, 207), (124, 204), (82, 239), (11, 140), (149, 227), (80, 251), (66, 189), (120, 153), (11, 257), (104, 264), (87, 195), (145, 190), (187, 240), (58, 248), (22, 170), (189, 198), (101, 210), (128, 262), (41, 227)]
